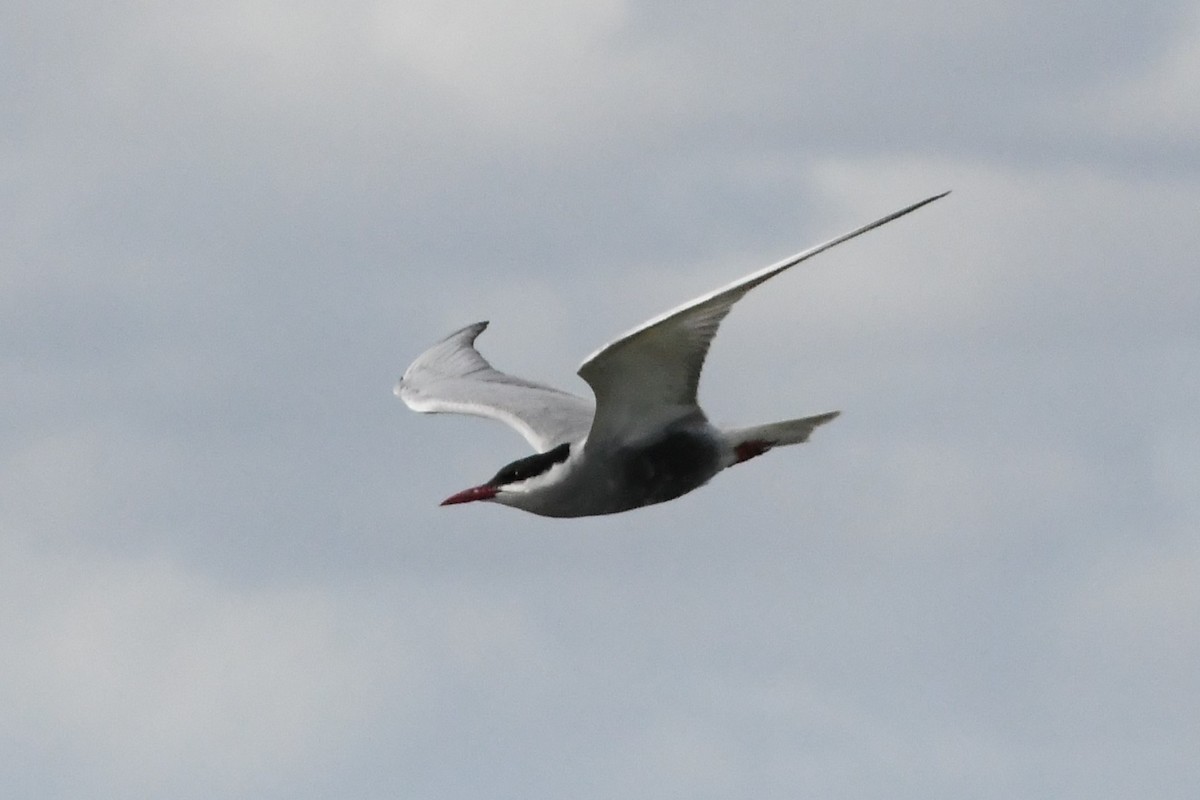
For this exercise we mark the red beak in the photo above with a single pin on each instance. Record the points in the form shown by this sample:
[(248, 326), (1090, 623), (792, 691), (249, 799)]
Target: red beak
[(483, 492)]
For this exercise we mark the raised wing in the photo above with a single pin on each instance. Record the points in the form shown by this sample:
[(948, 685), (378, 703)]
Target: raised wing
[(648, 378), (452, 377)]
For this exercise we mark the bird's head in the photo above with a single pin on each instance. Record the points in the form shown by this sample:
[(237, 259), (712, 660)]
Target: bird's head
[(518, 481)]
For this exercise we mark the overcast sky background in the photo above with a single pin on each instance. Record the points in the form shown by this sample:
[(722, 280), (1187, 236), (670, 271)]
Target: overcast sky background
[(227, 227)]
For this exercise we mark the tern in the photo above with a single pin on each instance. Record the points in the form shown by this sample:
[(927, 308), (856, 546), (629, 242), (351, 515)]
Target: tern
[(644, 440)]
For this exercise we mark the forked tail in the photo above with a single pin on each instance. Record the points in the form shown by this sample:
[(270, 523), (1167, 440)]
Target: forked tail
[(750, 442)]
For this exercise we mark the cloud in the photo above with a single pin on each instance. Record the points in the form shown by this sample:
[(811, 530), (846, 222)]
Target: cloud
[(140, 674), (1156, 104), (148, 678)]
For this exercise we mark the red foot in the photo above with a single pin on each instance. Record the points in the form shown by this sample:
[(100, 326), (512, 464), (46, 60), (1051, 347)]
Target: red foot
[(749, 449)]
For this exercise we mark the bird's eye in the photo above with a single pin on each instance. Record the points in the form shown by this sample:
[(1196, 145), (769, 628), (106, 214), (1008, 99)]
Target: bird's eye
[(531, 466)]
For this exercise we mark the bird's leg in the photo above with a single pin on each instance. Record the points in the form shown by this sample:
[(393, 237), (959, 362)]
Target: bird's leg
[(751, 448)]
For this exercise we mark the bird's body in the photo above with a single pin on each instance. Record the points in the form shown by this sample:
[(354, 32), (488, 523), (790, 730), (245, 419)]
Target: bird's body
[(645, 440), (638, 473)]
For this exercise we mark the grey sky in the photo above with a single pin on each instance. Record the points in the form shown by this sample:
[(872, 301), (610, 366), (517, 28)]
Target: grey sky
[(229, 226)]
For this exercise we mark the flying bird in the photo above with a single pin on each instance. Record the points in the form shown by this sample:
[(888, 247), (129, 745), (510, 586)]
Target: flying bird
[(643, 440)]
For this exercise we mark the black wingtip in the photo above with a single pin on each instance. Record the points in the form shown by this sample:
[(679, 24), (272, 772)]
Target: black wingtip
[(928, 200), (471, 331)]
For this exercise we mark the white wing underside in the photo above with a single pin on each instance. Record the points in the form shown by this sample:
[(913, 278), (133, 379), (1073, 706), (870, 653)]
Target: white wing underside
[(452, 377), (648, 378)]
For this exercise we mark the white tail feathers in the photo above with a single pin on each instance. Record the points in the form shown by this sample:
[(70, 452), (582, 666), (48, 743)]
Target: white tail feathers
[(750, 442)]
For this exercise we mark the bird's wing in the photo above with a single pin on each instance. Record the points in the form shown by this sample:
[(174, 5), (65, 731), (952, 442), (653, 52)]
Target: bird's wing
[(451, 377), (648, 378)]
